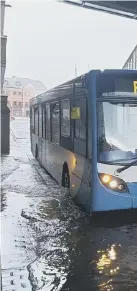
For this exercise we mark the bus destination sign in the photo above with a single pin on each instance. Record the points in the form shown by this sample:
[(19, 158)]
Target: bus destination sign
[(125, 85)]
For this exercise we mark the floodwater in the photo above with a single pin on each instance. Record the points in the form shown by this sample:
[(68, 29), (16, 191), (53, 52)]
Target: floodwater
[(48, 243)]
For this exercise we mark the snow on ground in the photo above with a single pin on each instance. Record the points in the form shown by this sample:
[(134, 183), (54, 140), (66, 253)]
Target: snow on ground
[(33, 245)]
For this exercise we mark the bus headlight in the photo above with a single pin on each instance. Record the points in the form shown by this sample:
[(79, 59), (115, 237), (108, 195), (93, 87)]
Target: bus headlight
[(113, 182)]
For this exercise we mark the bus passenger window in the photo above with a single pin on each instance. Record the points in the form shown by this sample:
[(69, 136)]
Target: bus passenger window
[(48, 134), (40, 120), (55, 116), (32, 118), (80, 124), (65, 117), (44, 122), (36, 120)]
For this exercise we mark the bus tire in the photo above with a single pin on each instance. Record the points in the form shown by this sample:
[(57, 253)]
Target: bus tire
[(65, 177), (36, 152)]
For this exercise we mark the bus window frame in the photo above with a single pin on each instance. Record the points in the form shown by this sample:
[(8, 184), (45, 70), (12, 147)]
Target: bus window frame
[(48, 133), (51, 125), (44, 120), (61, 117), (35, 109), (32, 122), (86, 124), (40, 120), (81, 144)]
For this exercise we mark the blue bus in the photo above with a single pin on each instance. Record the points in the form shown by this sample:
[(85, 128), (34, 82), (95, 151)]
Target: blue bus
[(84, 133)]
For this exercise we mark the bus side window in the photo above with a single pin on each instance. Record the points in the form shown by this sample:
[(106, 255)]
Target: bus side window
[(36, 121), (40, 120), (80, 124), (65, 118), (32, 118), (43, 122), (48, 130), (55, 122)]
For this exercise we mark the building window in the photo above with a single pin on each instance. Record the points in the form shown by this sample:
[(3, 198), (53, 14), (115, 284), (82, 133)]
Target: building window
[(20, 104), (55, 121), (80, 124), (14, 112), (27, 113), (14, 93), (48, 135), (19, 93), (18, 83), (26, 104), (14, 103), (65, 117), (18, 113)]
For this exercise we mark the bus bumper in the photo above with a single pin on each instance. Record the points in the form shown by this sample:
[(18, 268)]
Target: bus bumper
[(104, 199)]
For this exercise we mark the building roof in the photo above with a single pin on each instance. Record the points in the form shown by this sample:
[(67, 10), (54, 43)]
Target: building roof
[(122, 8), (16, 82)]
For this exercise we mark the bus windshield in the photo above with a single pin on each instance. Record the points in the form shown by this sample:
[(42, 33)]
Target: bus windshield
[(117, 132)]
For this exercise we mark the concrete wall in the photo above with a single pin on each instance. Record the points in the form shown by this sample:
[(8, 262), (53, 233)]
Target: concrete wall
[(5, 112), (3, 43), (3, 58), (5, 126), (2, 16)]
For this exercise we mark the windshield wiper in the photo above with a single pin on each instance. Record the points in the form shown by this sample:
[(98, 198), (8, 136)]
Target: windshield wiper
[(119, 170)]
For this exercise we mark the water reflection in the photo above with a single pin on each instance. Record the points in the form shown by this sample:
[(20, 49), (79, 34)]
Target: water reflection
[(106, 286), (107, 265), (84, 241)]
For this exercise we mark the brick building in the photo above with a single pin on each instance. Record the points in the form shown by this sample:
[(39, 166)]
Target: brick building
[(19, 92)]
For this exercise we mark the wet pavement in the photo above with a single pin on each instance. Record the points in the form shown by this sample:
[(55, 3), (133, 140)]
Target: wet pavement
[(47, 242)]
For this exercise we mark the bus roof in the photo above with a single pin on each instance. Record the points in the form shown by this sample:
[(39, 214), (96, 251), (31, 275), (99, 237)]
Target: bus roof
[(68, 86)]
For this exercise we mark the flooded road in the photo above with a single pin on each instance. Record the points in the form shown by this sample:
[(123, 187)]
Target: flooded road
[(48, 243)]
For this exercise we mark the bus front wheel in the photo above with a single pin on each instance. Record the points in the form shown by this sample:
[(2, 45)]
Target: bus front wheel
[(65, 178)]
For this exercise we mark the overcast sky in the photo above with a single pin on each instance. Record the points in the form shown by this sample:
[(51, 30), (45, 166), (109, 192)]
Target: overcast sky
[(46, 39)]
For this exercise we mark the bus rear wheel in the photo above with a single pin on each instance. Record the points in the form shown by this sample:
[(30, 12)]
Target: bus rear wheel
[(66, 179)]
